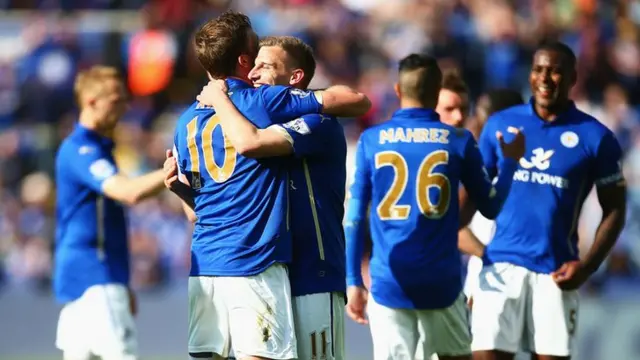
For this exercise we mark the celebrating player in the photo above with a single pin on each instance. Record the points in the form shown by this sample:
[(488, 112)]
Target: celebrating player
[(527, 290), (91, 256), (408, 168), (317, 183), (241, 238)]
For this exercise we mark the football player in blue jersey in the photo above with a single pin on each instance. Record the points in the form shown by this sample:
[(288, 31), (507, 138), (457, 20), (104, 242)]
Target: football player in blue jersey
[(527, 295), (317, 190), (91, 275), (408, 169), (239, 291)]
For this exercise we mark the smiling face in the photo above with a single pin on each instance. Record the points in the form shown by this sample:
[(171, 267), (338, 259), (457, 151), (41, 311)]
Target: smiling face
[(551, 78), (273, 67)]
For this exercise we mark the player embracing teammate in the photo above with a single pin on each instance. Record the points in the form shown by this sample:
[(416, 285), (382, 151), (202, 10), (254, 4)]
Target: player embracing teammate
[(239, 288)]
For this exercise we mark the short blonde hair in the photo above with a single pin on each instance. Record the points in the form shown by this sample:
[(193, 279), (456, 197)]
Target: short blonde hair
[(91, 79)]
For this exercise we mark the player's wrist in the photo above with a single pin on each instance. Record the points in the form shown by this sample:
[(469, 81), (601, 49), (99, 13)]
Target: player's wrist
[(589, 267), (355, 281)]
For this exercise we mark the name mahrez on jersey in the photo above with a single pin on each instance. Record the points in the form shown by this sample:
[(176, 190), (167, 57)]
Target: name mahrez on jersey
[(414, 135)]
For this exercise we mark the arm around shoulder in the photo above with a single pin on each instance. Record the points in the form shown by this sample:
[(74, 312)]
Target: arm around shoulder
[(341, 100)]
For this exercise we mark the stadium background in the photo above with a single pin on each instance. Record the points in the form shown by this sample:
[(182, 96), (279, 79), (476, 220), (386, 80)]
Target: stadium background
[(357, 42)]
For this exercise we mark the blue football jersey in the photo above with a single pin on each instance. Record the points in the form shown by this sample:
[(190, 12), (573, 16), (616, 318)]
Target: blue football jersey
[(563, 160), (409, 169), (241, 203), (91, 233), (317, 191)]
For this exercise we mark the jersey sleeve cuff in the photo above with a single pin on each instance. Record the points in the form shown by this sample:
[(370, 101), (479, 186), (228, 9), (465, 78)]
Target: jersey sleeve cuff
[(355, 281), (282, 131), (608, 180)]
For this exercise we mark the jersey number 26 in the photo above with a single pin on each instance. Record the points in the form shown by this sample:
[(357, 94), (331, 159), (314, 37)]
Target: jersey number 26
[(427, 178)]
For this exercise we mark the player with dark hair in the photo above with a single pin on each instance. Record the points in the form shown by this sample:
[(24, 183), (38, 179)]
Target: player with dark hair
[(409, 169), (492, 102), (527, 294), (453, 99), (239, 291)]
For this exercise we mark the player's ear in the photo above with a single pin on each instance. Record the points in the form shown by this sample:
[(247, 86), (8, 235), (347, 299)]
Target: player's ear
[(396, 88), (296, 77), (245, 61)]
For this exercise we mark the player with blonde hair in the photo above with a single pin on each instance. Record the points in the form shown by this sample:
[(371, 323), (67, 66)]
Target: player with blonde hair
[(91, 276)]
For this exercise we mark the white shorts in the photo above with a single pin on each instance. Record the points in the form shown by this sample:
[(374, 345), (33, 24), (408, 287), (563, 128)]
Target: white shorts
[(473, 273), (98, 323), (319, 322), (251, 314), (419, 334), (514, 308)]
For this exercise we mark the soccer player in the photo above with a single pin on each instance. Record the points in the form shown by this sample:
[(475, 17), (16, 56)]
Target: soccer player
[(91, 275), (527, 294), (453, 100), (409, 168), (481, 229), (317, 190), (239, 292)]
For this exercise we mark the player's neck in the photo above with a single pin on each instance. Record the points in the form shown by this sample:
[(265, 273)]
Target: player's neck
[(551, 113), (413, 104), (91, 123)]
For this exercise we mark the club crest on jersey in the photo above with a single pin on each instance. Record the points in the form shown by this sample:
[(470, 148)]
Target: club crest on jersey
[(300, 93), (569, 139), (298, 125), (102, 169)]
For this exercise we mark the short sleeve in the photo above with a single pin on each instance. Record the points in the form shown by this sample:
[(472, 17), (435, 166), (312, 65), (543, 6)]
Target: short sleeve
[(91, 165), (284, 103), (308, 134), (607, 167)]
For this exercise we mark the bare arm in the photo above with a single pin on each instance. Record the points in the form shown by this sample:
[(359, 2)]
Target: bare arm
[(613, 201), (468, 243), (179, 185), (341, 100), (131, 191), (245, 137)]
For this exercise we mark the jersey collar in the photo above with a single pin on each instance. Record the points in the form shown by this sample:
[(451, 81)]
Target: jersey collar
[(561, 118), (417, 113), (236, 83), (94, 136)]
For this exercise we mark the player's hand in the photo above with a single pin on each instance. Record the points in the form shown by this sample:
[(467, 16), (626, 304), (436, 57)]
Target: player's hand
[(133, 302), (570, 276), (170, 168), (514, 149), (212, 92), (357, 303), (470, 302)]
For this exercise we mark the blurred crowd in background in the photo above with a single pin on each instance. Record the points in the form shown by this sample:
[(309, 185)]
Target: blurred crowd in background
[(357, 42)]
